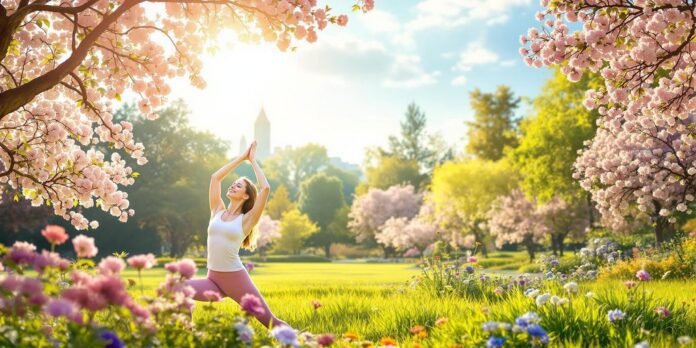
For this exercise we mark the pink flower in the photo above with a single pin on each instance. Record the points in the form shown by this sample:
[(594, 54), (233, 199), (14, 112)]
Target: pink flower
[(316, 304), (472, 259), (643, 275), (2, 268), (342, 20), (46, 259), (10, 282), (186, 267), (212, 295), (142, 261), (325, 340), (84, 246), (662, 312), (111, 265), (630, 284), (252, 305), (55, 234), (249, 266)]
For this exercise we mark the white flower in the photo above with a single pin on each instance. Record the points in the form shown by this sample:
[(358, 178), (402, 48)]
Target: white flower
[(541, 299), (684, 340), (571, 287), (589, 294), (643, 344)]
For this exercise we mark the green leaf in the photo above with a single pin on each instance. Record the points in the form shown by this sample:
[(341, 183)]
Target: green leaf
[(16, 197), (135, 174), (356, 7)]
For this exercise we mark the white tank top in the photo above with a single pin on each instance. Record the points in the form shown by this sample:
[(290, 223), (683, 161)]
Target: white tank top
[(224, 240)]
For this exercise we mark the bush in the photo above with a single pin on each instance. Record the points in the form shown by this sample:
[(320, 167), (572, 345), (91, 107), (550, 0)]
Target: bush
[(530, 268), (289, 258), (679, 262)]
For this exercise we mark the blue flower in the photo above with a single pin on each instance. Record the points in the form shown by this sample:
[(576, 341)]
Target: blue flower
[(615, 315), (538, 332), (112, 339), (495, 342), (469, 269), (285, 335)]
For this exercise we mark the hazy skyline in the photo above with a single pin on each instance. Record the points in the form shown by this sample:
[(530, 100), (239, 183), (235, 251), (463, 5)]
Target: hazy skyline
[(351, 88)]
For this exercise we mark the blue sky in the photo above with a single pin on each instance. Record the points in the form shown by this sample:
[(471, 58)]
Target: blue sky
[(351, 88)]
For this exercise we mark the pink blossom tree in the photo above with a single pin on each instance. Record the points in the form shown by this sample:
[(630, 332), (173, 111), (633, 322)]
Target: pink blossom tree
[(515, 219), (370, 211), (643, 154), (64, 63), (563, 220), (269, 231), (402, 234)]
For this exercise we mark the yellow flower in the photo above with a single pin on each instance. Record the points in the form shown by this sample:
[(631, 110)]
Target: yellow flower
[(441, 321), (350, 336)]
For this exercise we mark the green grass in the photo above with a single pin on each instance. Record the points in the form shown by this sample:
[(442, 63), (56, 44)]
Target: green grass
[(375, 301)]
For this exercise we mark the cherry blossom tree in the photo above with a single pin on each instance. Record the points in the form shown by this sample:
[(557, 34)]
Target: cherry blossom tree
[(515, 219), (643, 154), (562, 220), (370, 211), (269, 231), (64, 63), (402, 233)]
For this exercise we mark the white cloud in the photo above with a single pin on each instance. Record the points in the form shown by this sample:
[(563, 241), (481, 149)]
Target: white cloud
[(379, 21), (508, 63), (459, 80), (407, 72), (448, 14), (475, 54)]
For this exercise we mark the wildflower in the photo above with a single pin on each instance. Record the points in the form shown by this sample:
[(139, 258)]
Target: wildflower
[(472, 259), (325, 340), (498, 291), (571, 287), (252, 305), (441, 321), (526, 319), (490, 326), (684, 340), (54, 234), (538, 332), (643, 275), (140, 262), (350, 336), (662, 312), (589, 294), (418, 331), (211, 295), (643, 344), (388, 342), (285, 335), (615, 315), (245, 333), (630, 284), (316, 304), (84, 246), (111, 265), (112, 339), (495, 342), (469, 269), (531, 292), (541, 299)]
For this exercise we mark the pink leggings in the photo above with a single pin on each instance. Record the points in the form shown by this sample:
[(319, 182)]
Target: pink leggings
[(233, 285)]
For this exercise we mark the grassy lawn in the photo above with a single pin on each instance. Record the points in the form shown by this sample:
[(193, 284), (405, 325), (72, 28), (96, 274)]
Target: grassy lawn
[(375, 301)]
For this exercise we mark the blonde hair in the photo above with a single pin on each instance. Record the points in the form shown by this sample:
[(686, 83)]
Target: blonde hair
[(249, 242)]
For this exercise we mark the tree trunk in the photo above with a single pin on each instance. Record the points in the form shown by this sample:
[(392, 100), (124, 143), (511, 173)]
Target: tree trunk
[(664, 230), (554, 246), (590, 210), (327, 250), (531, 248)]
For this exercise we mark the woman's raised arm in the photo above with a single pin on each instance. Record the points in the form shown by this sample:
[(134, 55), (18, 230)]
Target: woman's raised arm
[(264, 191), (215, 192)]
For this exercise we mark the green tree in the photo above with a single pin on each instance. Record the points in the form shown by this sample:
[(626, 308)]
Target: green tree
[(295, 227), (463, 192), (552, 137), (349, 180), (291, 166), (279, 203), (321, 197), (392, 170), (414, 143), (494, 128)]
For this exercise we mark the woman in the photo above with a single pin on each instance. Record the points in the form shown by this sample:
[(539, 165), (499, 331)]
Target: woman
[(230, 228)]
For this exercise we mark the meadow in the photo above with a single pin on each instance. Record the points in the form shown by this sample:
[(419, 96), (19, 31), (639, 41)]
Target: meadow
[(377, 301)]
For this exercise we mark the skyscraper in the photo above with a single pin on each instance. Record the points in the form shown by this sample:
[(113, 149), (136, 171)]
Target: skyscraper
[(262, 135)]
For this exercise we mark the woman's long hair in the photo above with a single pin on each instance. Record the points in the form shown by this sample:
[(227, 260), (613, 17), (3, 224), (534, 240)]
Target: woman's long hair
[(249, 242)]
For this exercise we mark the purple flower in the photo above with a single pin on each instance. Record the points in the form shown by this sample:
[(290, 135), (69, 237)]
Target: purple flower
[(536, 331), (469, 269), (615, 315), (252, 305), (325, 340), (249, 266), (662, 312), (112, 339), (495, 342), (643, 275), (245, 333), (285, 335), (211, 295)]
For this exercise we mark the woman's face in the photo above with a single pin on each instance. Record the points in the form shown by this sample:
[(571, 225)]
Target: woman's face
[(237, 190)]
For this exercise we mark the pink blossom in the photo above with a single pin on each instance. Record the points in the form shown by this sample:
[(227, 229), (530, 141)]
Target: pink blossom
[(325, 340), (55, 234), (342, 20), (84, 246), (252, 305), (63, 308), (211, 295), (111, 265), (142, 261), (472, 259)]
